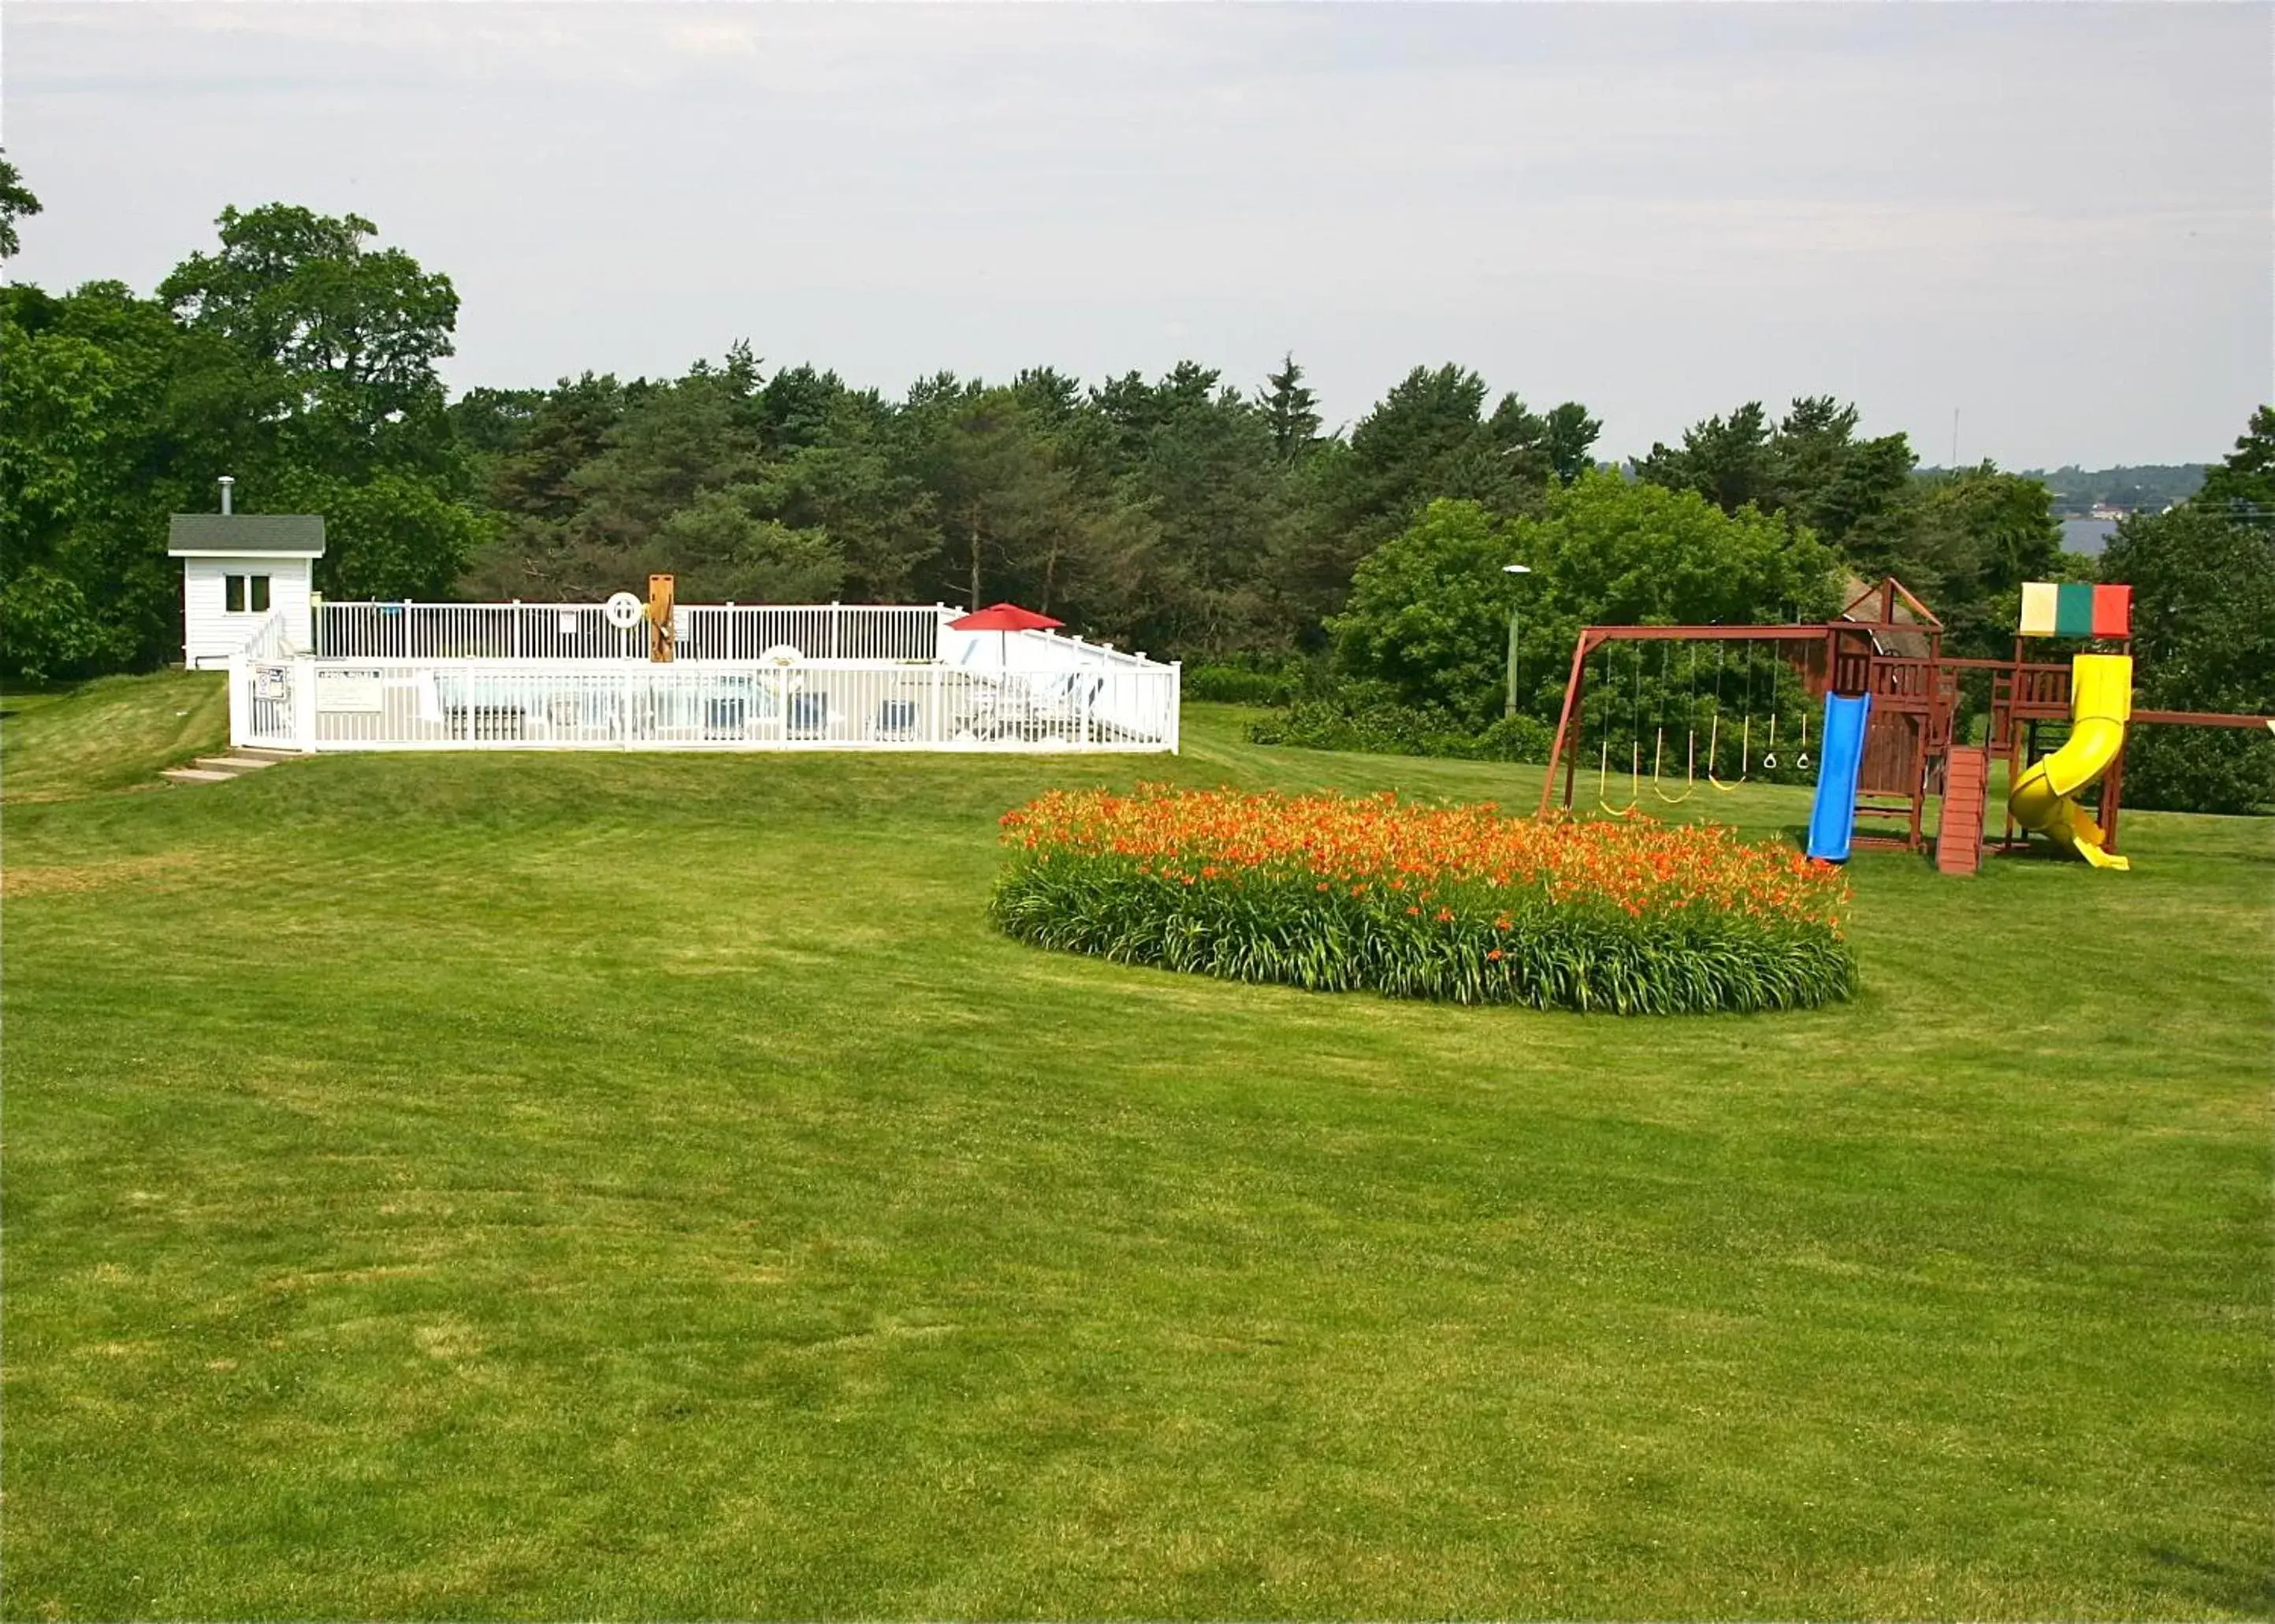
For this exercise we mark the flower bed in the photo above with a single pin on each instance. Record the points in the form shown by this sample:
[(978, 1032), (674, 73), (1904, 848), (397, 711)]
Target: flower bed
[(1456, 903)]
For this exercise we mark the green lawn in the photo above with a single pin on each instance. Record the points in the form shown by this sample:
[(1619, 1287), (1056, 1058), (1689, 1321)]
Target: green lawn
[(116, 734), (609, 1185)]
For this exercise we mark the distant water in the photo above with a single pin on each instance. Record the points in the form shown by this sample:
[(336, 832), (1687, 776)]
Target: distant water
[(2086, 535)]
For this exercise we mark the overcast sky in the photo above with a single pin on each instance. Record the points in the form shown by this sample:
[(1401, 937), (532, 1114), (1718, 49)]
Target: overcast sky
[(2059, 220)]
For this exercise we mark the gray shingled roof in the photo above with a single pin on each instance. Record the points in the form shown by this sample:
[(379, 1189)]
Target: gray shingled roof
[(245, 533)]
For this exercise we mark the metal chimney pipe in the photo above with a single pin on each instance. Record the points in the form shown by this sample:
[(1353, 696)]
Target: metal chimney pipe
[(226, 481)]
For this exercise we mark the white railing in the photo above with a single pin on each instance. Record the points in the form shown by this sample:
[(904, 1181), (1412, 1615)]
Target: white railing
[(822, 631), (582, 631), (1031, 651), (328, 704), (274, 639)]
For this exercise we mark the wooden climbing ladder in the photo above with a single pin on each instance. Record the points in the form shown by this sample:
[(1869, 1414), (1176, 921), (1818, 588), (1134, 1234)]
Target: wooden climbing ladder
[(1959, 836)]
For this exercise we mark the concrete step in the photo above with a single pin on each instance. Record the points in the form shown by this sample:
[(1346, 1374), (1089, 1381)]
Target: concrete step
[(263, 753), (235, 764), (195, 775)]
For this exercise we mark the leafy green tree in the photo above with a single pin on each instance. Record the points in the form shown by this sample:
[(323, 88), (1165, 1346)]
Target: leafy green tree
[(1612, 552), (2245, 483), (391, 535), (2204, 630), (1826, 478), (584, 502), (1309, 552), (48, 630), (337, 341), (87, 466), (16, 203), (307, 369), (1429, 611), (531, 470), (1966, 541), (1571, 436)]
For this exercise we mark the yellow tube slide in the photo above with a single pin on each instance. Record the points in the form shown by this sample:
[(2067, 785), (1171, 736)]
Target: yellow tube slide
[(2100, 704)]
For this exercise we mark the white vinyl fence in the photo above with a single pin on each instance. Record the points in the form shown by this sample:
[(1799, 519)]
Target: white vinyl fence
[(582, 631), (1031, 691)]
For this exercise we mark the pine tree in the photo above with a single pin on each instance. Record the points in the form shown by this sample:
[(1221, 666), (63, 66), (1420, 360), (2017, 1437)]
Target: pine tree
[(1289, 408)]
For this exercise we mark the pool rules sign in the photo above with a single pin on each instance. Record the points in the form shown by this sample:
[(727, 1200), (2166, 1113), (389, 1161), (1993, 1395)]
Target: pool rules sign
[(350, 692)]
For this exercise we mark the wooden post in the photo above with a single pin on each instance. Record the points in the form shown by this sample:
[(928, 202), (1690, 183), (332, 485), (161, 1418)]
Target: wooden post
[(659, 618), (1573, 685)]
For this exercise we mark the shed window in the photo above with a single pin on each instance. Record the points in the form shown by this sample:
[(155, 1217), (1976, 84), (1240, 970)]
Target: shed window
[(259, 604), (232, 593)]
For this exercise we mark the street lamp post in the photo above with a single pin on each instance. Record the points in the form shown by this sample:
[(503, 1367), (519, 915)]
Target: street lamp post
[(1516, 570)]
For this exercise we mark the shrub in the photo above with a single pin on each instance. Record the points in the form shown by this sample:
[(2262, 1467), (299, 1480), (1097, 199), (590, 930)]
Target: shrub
[(1233, 684), (1361, 717), (2200, 769), (1457, 902)]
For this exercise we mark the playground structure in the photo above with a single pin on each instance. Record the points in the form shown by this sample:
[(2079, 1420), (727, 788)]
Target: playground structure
[(1899, 724)]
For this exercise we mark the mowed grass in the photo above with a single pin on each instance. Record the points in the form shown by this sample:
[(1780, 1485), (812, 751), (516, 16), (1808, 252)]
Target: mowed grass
[(607, 1185), (114, 733)]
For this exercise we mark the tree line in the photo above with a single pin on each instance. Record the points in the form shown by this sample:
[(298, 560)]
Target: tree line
[(1187, 515)]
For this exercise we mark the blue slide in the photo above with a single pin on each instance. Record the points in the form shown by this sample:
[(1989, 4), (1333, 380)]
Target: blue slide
[(1839, 758)]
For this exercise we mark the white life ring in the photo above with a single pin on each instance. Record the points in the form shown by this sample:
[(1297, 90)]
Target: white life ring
[(623, 610)]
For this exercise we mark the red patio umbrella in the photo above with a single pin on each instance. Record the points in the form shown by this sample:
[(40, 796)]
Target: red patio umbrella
[(1003, 618)]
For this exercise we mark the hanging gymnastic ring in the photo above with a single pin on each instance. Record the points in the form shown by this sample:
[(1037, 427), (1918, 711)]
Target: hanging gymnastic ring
[(1769, 761), (1801, 761)]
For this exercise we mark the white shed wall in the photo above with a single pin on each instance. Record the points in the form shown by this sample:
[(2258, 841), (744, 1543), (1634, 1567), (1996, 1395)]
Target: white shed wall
[(210, 633)]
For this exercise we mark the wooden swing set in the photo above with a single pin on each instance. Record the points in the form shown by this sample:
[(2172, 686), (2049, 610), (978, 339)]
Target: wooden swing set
[(1661, 773), (1752, 727)]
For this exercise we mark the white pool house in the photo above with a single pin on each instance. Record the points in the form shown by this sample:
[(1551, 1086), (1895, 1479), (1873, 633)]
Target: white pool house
[(336, 676)]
